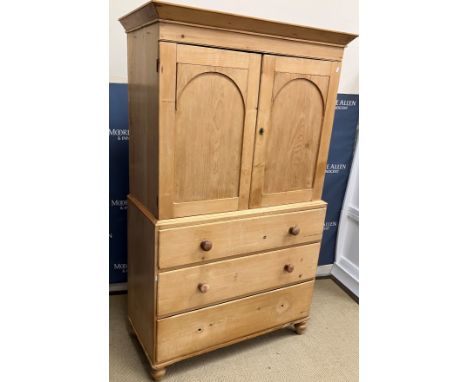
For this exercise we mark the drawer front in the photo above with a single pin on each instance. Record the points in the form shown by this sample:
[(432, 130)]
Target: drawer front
[(187, 245), (212, 327), (196, 286)]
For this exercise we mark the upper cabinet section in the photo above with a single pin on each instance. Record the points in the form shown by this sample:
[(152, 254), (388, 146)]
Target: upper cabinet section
[(208, 101), (227, 112), (297, 101)]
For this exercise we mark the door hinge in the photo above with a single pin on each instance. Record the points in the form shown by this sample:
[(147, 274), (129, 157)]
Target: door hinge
[(157, 65)]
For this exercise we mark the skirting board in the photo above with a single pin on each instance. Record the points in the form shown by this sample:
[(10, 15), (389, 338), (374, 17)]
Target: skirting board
[(322, 270), (346, 279), (117, 287)]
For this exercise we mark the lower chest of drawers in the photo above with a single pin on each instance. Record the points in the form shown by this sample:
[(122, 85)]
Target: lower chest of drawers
[(187, 297)]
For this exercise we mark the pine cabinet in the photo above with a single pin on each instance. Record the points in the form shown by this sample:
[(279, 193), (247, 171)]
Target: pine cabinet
[(230, 122)]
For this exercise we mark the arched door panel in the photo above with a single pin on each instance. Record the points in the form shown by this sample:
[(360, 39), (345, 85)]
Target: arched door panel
[(294, 110), (207, 122)]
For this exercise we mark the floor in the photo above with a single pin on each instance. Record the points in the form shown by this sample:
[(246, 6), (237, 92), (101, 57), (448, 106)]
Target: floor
[(327, 351)]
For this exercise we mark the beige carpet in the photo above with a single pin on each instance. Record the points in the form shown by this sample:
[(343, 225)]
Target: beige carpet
[(328, 351)]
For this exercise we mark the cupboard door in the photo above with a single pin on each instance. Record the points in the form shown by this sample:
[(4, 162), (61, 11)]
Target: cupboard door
[(295, 117), (208, 102)]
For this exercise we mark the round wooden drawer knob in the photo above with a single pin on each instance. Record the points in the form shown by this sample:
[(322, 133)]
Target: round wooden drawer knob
[(289, 268), (202, 287), (206, 245), (294, 230)]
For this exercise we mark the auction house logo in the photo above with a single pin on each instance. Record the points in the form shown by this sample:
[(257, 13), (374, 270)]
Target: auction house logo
[(328, 225), (121, 204), (121, 134), (335, 168), (120, 267), (344, 104)]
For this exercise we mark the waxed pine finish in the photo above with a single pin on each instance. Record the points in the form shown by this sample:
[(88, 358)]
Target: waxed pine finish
[(230, 123)]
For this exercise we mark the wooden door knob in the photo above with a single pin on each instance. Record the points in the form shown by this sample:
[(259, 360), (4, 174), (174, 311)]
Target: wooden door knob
[(294, 230), (206, 245), (202, 287), (289, 268)]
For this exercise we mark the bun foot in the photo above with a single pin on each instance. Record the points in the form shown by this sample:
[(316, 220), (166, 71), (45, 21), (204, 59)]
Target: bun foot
[(158, 374), (300, 327)]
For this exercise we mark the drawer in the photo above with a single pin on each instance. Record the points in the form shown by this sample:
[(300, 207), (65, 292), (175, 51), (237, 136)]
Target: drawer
[(196, 286), (206, 329), (203, 242)]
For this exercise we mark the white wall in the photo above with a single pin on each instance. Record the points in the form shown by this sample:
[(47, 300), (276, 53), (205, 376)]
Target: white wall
[(340, 15)]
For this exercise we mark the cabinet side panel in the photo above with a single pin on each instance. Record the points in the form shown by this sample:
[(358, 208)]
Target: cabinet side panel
[(141, 277), (143, 84), (322, 157)]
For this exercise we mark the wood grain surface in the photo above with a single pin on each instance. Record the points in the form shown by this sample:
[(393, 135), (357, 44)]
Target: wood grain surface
[(191, 332), (181, 246), (179, 289)]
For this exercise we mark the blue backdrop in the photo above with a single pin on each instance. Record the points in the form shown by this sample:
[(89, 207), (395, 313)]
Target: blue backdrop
[(118, 181), (339, 163)]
